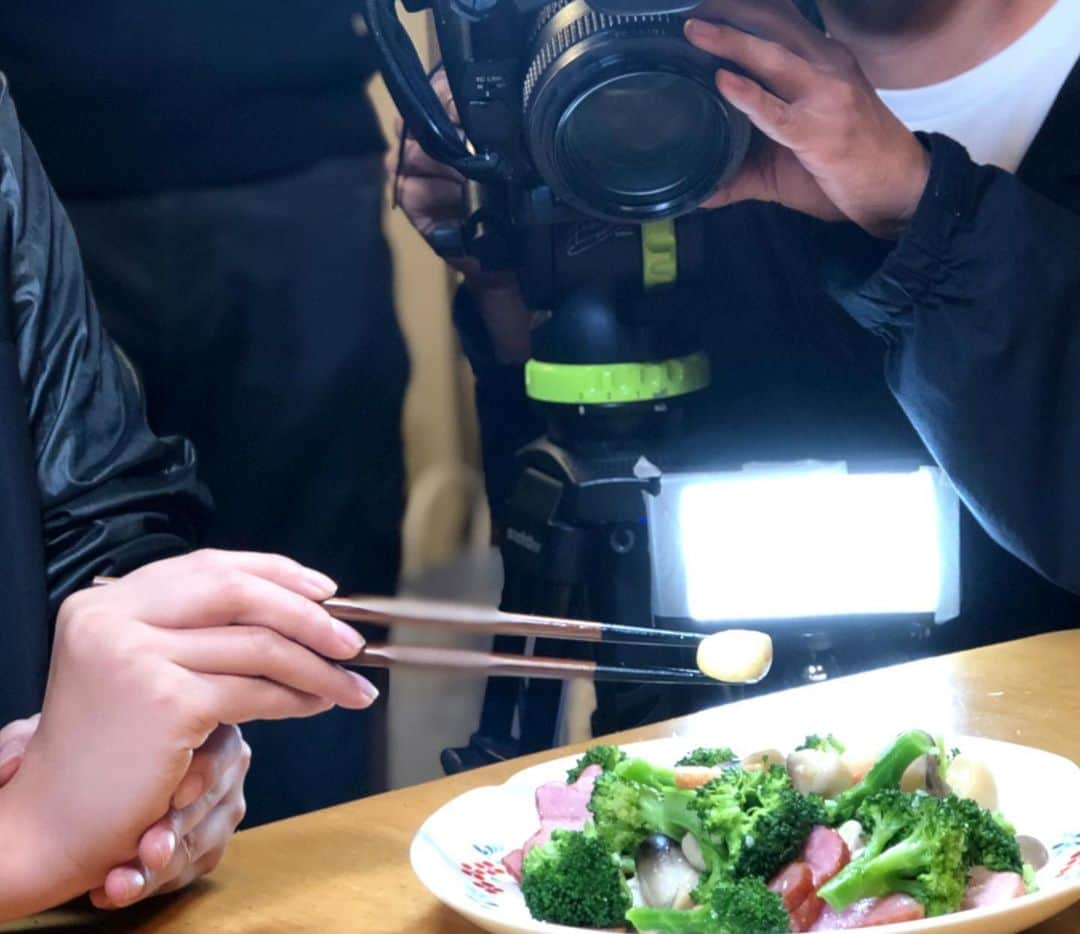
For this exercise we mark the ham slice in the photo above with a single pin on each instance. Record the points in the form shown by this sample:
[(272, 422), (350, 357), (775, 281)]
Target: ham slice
[(987, 888), (560, 807), (512, 863), (562, 802), (870, 912)]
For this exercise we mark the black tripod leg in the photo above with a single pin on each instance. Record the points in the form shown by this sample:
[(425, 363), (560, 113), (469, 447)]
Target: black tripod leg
[(494, 739), (502, 695), (541, 701), (626, 598), (534, 707)]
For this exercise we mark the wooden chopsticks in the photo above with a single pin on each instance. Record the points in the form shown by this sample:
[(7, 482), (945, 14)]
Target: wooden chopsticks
[(481, 620), (478, 620), (519, 666)]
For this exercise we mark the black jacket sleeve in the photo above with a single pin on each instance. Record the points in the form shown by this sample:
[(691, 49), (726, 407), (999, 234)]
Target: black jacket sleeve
[(980, 304), (113, 495)]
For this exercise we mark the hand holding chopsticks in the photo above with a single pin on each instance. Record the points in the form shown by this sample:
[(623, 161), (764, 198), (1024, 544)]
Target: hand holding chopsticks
[(733, 656)]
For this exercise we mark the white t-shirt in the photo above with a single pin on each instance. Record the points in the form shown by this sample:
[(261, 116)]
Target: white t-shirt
[(997, 108)]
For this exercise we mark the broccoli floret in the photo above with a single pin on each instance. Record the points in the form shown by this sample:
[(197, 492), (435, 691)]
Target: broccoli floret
[(757, 821), (607, 757), (885, 817), (626, 812), (618, 813), (885, 774), (707, 757), (645, 773), (749, 905), (575, 880), (918, 847), (636, 799), (991, 839), (735, 907), (828, 743)]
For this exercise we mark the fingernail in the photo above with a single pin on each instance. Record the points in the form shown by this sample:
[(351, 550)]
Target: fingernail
[(347, 636), (9, 764), (370, 692), (136, 885), (321, 585), (699, 29), (168, 848)]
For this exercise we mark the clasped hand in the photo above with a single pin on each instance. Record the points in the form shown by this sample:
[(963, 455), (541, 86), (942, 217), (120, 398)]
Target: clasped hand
[(190, 840), (131, 782)]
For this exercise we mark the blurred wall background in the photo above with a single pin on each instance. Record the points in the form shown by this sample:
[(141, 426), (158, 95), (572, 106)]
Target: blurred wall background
[(440, 429), (447, 530)]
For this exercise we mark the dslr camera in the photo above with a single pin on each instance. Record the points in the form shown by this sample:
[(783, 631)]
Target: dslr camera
[(589, 117)]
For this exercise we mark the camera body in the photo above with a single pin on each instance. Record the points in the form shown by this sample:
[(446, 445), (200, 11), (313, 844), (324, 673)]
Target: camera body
[(596, 109), (580, 121)]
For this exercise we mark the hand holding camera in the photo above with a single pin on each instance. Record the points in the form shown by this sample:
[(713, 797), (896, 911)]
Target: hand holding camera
[(827, 145), (832, 149), (431, 194)]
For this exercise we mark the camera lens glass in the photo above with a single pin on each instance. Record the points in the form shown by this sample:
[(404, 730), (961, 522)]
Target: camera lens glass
[(643, 137), (622, 116)]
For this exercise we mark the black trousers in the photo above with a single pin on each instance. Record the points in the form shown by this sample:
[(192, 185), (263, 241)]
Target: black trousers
[(261, 320)]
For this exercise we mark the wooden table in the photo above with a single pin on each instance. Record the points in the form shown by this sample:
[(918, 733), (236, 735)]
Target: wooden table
[(347, 869)]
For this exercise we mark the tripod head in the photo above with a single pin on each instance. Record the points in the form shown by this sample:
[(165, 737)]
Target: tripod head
[(615, 360)]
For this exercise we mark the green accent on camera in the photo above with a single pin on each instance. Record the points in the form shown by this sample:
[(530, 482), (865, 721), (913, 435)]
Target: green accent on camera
[(613, 383), (659, 254)]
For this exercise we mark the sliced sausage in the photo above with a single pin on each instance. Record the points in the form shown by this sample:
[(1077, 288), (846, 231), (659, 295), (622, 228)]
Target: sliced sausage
[(870, 912), (806, 915), (992, 888), (894, 909), (826, 853), (831, 919), (794, 883)]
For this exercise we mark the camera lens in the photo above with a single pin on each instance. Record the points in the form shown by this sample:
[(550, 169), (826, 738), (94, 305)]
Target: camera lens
[(643, 138), (622, 116)]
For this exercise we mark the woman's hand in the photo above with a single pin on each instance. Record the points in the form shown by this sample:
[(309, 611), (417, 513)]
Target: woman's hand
[(833, 149), (144, 672), (190, 840)]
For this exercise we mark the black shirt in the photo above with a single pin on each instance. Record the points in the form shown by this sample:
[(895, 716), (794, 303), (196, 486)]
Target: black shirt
[(132, 97)]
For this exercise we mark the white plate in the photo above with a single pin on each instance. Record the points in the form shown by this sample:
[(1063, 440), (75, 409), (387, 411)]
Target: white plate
[(457, 852)]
